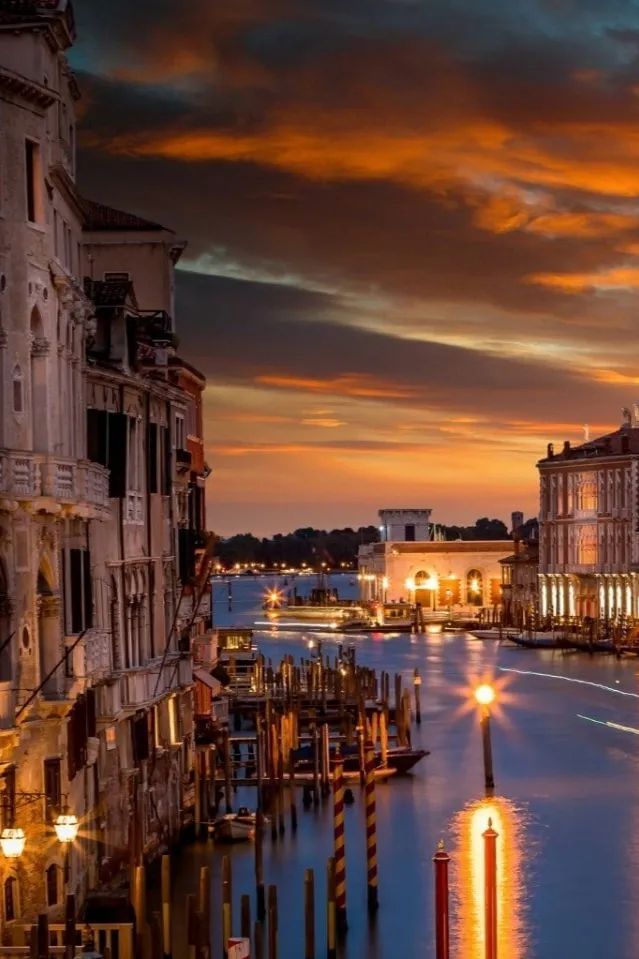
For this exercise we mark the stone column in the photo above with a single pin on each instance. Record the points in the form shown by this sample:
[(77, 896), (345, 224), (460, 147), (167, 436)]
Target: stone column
[(50, 643)]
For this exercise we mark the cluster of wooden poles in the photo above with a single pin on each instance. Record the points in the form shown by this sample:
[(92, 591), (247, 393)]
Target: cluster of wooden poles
[(154, 934), (290, 718)]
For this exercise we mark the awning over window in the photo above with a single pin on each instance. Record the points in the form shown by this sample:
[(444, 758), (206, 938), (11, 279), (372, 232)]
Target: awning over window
[(206, 678)]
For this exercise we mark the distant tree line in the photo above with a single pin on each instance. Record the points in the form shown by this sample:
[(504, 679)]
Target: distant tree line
[(484, 528), (336, 548), (306, 545)]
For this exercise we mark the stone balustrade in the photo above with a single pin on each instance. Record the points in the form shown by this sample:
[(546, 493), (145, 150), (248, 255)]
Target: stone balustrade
[(140, 685), (30, 476)]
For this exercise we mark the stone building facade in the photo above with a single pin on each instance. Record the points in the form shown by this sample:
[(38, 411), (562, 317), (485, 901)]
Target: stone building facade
[(98, 535), (588, 527), (444, 578), (520, 577)]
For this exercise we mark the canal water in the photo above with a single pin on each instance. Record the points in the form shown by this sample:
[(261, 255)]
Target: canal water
[(566, 805)]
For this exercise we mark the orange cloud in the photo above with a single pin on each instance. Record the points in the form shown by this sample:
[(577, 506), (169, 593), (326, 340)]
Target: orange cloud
[(615, 378), (583, 223), (616, 278), (324, 422), (350, 384)]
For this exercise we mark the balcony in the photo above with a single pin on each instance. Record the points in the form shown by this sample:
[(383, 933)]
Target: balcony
[(61, 481), (140, 686)]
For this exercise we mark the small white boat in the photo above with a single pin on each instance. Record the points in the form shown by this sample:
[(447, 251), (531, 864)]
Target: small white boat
[(235, 827)]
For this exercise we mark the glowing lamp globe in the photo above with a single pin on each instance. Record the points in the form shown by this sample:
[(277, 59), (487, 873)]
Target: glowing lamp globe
[(485, 694), (12, 842), (66, 827)]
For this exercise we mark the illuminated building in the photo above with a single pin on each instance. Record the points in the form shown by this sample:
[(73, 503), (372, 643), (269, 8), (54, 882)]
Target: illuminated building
[(461, 576), (588, 522)]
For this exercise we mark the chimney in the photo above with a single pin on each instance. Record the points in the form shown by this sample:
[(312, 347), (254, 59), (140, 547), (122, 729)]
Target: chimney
[(566, 448), (516, 520), (551, 451)]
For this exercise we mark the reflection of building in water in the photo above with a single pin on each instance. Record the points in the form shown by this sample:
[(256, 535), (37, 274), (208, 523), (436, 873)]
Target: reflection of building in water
[(467, 877)]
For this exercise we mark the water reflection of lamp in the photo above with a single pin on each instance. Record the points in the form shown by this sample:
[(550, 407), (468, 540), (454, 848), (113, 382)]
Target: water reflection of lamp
[(468, 887)]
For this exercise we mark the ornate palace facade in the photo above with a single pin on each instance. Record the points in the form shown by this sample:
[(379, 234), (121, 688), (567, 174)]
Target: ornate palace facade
[(589, 527)]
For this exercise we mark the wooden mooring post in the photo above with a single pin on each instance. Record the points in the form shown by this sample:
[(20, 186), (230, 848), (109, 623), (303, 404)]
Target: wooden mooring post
[(272, 922), (165, 880), (339, 846), (309, 914), (259, 866), (371, 833), (227, 903), (442, 943)]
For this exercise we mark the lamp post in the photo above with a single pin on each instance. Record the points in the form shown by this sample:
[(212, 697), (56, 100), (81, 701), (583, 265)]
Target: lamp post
[(485, 695)]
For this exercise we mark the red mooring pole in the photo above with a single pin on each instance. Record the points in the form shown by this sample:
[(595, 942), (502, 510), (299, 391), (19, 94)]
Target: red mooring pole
[(339, 847), (371, 831), (442, 944), (490, 891)]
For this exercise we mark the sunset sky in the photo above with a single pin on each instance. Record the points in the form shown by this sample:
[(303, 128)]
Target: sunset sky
[(413, 232)]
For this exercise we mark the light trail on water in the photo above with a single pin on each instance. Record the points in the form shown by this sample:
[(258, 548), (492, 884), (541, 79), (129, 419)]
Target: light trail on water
[(569, 679), (606, 722)]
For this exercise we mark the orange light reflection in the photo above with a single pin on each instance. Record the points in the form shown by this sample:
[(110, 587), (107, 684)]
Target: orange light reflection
[(468, 879)]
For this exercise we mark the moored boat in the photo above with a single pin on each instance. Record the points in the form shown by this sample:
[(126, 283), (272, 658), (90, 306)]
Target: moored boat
[(235, 827), (540, 640), (399, 760)]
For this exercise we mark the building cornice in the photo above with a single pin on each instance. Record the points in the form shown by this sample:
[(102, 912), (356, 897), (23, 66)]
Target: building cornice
[(35, 93)]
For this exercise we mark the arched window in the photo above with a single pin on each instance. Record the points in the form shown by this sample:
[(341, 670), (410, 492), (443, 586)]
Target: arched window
[(10, 899), (474, 587), (52, 883), (421, 578), (18, 390)]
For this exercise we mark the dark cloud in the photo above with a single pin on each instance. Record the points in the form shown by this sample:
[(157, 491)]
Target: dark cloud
[(441, 196)]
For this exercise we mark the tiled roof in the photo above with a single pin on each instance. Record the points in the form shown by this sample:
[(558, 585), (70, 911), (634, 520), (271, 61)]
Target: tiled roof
[(97, 216), (622, 442)]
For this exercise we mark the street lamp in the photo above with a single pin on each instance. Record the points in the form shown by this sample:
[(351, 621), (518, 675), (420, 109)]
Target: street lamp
[(13, 839), (12, 842), (485, 696), (66, 827)]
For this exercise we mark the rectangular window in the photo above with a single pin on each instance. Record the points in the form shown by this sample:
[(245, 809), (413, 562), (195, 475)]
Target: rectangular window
[(409, 533), (8, 787), (174, 724), (78, 605), (32, 171), (107, 445), (166, 461), (10, 898), (179, 432), (152, 457), (52, 789)]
